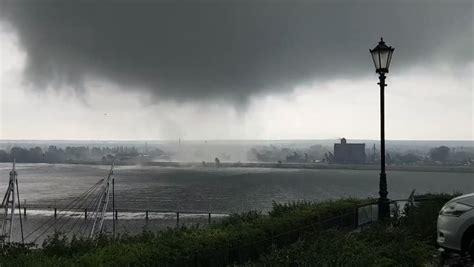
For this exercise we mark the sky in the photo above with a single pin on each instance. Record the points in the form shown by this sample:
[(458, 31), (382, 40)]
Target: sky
[(163, 70)]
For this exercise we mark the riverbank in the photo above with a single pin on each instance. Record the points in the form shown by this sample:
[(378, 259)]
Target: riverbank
[(301, 233), (220, 190), (283, 165)]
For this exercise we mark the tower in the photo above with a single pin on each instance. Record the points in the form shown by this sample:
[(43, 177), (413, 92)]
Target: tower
[(102, 205), (8, 204), (373, 153)]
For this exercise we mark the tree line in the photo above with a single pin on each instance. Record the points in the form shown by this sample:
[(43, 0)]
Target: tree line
[(53, 154), (441, 155)]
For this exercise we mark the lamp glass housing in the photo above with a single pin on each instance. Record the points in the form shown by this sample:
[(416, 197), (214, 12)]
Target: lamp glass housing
[(382, 55)]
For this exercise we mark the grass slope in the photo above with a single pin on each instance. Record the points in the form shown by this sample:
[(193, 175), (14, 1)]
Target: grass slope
[(290, 234)]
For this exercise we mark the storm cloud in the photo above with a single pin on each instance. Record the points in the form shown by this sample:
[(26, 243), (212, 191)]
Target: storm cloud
[(231, 50)]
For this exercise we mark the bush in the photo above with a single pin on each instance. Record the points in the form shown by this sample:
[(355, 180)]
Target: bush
[(291, 234), (378, 246), (406, 241), (237, 239)]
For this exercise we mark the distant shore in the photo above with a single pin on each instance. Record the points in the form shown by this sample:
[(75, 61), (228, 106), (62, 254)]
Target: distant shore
[(283, 165)]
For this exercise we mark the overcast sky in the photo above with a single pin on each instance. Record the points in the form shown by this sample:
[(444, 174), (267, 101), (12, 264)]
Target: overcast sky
[(234, 69)]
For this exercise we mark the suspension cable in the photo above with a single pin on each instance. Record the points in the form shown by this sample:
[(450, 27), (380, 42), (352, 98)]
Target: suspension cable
[(80, 206), (78, 219), (66, 208), (64, 214), (58, 219), (79, 230), (19, 211), (87, 205), (93, 204)]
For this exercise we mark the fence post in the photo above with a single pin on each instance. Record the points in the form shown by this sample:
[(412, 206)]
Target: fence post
[(113, 207), (146, 215), (85, 213), (356, 215), (24, 209), (177, 218), (116, 214), (372, 213), (209, 218), (55, 213)]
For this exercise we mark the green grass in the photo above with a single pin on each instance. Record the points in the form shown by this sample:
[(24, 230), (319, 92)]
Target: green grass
[(377, 246), (232, 240), (289, 235), (407, 241)]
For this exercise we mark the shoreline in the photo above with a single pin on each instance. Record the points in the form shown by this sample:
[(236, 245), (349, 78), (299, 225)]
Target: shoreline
[(285, 165)]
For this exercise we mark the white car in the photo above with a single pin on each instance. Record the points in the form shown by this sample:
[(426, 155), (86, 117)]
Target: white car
[(456, 225)]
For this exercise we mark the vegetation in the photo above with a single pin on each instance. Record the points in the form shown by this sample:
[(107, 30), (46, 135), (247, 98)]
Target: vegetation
[(299, 233), (436, 156), (377, 246), (54, 154), (439, 153), (409, 240), (443, 155)]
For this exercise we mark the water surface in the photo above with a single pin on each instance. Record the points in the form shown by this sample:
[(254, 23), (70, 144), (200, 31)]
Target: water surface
[(222, 190)]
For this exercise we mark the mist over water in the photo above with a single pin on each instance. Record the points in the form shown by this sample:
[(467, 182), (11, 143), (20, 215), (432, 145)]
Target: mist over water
[(222, 190), (164, 190)]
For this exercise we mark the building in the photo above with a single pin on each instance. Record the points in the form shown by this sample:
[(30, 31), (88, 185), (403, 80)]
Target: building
[(345, 153)]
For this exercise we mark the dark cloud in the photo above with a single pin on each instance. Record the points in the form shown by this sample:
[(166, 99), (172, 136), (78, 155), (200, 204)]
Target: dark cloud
[(198, 50)]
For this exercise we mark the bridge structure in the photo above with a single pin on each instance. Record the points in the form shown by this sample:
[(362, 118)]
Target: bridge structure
[(102, 205), (12, 197), (93, 203), (85, 215)]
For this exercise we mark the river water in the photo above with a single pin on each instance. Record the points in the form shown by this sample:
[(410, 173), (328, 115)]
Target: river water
[(220, 190)]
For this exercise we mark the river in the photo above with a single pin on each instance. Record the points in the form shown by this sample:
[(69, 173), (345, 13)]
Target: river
[(222, 190)]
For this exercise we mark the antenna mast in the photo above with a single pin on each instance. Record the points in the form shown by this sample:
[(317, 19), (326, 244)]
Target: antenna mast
[(102, 205), (8, 204)]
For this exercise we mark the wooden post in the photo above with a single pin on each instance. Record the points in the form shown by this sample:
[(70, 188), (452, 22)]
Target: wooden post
[(55, 213), (209, 219), (116, 214), (24, 209), (146, 215), (177, 218), (85, 213)]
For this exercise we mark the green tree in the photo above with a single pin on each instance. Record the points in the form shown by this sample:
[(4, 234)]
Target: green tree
[(439, 153)]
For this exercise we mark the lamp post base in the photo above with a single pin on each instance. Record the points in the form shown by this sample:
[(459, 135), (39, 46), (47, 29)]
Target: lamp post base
[(383, 209), (383, 201)]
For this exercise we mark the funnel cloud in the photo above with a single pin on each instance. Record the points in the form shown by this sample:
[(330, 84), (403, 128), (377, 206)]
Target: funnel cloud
[(228, 50)]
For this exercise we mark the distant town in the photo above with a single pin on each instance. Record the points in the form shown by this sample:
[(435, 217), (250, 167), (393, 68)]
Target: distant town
[(357, 153), (340, 152)]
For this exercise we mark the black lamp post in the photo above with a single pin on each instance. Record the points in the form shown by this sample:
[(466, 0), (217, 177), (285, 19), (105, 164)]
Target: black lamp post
[(382, 55)]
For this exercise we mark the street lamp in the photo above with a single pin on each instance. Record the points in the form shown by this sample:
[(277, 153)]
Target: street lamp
[(382, 55)]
